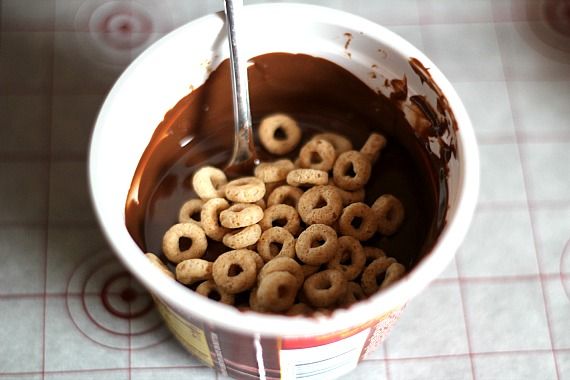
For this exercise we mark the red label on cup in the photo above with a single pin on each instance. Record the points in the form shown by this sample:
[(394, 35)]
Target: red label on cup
[(253, 356)]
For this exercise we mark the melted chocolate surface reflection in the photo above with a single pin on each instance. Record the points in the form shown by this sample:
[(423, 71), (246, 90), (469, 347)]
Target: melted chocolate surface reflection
[(321, 96)]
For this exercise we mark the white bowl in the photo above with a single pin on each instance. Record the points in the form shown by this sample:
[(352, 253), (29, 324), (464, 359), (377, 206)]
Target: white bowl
[(162, 75)]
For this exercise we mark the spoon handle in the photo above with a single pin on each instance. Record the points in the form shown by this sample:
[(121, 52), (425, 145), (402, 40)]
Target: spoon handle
[(243, 141)]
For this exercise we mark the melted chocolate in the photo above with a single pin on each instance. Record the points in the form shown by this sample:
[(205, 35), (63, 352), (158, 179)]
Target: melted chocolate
[(322, 96)]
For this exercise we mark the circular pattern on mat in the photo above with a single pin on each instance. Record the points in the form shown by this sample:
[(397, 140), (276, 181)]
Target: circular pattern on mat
[(109, 307), (549, 23), (114, 32)]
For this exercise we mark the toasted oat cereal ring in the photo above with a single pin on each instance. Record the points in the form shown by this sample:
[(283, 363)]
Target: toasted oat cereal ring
[(210, 218), (193, 270), (243, 237), (351, 170), (234, 271), (307, 177), (184, 241), (254, 302), (299, 309), (277, 291), (245, 190), (208, 182), (270, 186), (349, 258), (310, 269), (241, 215), (373, 253), (340, 143), (159, 264), (320, 205), (281, 216), (394, 272), (354, 293), (287, 195), (274, 171), (358, 220), (211, 290), (349, 197), (283, 264), (279, 134), (190, 211), (317, 154), (374, 274), (276, 242), (317, 244), (259, 263), (326, 288), (261, 203), (373, 146), (389, 213)]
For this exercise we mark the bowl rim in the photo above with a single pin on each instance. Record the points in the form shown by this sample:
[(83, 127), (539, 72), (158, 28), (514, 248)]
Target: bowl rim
[(393, 298)]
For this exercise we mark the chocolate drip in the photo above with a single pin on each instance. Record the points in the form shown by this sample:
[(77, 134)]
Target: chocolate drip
[(322, 96)]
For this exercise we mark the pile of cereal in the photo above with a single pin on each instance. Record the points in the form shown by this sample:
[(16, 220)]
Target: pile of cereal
[(294, 229)]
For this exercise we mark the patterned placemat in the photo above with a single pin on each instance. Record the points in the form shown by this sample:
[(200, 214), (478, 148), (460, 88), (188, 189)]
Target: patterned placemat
[(501, 310)]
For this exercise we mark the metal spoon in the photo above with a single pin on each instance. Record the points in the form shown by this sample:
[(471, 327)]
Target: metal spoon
[(243, 156)]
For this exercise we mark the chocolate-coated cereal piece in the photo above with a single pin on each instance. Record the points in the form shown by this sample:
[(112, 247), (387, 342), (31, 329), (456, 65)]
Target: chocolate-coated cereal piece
[(349, 258), (193, 270), (351, 170), (276, 242), (389, 213), (320, 205), (210, 218), (317, 244), (211, 290), (184, 241), (208, 182), (358, 220), (317, 154), (243, 237), (241, 215), (234, 271), (279, 134), (281, 216), (326, 288)]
